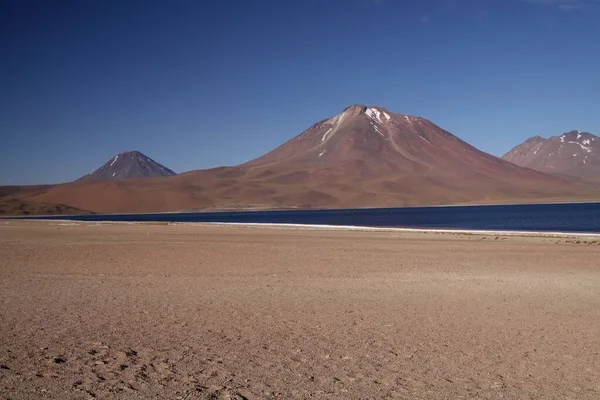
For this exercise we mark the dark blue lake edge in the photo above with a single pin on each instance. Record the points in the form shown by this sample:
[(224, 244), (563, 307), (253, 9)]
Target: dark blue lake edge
[(561, 217)]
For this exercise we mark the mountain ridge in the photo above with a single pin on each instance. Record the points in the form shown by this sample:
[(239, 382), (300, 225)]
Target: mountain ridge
[(365, 156), (574, 153)]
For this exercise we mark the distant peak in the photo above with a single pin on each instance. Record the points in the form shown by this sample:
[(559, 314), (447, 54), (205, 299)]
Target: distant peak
[(129, 165), (377, 113), (577, 132), (362, 108), (536, 138), (577, 135), (355, 108)]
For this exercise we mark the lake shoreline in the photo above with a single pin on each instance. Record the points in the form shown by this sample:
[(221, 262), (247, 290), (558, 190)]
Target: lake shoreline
[(316, 227), (551, 219)]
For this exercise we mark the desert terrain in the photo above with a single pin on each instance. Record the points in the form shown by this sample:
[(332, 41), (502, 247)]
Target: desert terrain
[(138, 311)]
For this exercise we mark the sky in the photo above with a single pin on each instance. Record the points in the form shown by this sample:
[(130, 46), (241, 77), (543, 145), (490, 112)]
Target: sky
[(200, 84)]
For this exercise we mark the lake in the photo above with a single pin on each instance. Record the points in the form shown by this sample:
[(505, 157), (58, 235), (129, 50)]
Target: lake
[(563, 217)]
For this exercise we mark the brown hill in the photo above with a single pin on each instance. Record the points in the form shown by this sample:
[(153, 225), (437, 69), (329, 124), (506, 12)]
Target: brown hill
[(7, 191), (574, 153), (363, 157), (20, 207)]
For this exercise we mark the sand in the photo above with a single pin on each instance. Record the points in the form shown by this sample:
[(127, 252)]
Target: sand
[(138, 311)]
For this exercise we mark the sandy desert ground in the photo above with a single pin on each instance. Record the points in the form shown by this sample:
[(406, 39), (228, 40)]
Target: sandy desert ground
[(134, 311)]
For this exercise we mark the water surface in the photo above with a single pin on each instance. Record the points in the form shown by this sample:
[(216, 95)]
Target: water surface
[(564, 217)]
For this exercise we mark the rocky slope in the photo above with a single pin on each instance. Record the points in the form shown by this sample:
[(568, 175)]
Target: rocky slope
[(573, 153)]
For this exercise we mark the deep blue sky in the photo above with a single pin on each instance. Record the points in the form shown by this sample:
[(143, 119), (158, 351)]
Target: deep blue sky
[(198, 84)]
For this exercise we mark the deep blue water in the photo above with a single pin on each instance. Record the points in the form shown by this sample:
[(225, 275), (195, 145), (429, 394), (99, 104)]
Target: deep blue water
[(566, 217)]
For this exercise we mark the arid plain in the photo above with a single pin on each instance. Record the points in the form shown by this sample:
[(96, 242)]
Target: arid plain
[(208, 312)]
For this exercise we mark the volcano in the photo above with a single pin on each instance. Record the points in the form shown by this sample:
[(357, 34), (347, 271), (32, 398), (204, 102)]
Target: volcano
[(366, 156), (128, 165), (369, 155)]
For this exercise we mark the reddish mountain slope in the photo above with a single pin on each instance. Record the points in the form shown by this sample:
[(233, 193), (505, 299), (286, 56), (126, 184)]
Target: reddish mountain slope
[(375, 156), (371, 141), (574, 153), (363, 157), (128, 165)]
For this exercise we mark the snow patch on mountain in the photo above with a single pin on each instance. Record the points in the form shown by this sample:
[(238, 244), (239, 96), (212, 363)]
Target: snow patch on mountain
[(589, 150), (377, 129), (374, 114), (325, 135)]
